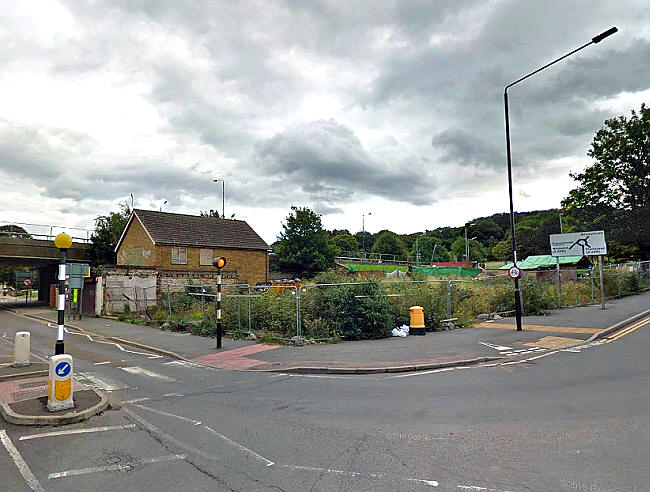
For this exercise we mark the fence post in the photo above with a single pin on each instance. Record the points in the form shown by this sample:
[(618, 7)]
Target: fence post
[(238, 312), (203, 304), (559, 291), (169, 304), (489, 289), (591, 281), (618, 280), (448, 298), (602, 285), (250, 328)]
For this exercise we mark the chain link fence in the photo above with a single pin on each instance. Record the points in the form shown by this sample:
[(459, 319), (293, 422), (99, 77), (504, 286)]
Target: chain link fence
[(368, 309)]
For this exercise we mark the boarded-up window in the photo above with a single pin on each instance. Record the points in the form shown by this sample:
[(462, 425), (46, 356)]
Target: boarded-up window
[(206, 257), (179, 256)]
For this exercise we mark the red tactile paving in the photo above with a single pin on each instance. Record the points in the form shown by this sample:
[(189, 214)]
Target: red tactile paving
[(26, 389), (236, 358)]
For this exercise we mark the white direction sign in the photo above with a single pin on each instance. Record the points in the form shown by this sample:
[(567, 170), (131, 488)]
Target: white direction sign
[(579, 244)]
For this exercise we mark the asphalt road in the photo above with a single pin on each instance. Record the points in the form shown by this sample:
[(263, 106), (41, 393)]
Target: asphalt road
[(567, 420)]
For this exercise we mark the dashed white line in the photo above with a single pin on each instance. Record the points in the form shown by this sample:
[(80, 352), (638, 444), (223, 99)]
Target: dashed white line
[(102, 363), (147, 372), (135, 400), (77, 431), (22, 466), (236, 444), (348, 473), (118, 467), (168, 414), (102, 382), (173, 394), (476, 487), (422, 373)]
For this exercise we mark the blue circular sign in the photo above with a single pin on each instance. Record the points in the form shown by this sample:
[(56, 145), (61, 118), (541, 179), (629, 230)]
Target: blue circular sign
[(62, 369)]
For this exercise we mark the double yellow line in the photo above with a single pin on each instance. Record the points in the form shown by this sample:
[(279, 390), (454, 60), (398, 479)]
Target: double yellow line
[(628, 330)]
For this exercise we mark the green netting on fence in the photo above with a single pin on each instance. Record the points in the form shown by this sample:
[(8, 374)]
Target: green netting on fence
[(447, 271)]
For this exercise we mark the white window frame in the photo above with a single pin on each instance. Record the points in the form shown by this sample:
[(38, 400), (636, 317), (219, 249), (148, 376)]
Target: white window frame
[(179, 256)]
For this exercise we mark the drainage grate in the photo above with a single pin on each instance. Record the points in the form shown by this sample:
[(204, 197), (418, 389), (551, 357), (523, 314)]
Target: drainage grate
[(29, 394), (33, 384)]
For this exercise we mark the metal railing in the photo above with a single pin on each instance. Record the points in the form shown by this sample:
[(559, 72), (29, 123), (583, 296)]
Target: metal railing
[(46, 232)]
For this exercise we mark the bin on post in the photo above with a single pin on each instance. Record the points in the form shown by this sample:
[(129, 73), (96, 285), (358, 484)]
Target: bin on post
[(417, 321)]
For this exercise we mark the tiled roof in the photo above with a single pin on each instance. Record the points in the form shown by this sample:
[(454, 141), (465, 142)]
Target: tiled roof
[(196, 231)]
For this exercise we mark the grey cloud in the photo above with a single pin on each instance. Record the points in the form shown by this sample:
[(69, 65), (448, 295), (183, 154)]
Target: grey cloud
[(326, 157)]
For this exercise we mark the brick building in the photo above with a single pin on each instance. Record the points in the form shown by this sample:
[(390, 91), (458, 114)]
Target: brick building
[(186, 245)]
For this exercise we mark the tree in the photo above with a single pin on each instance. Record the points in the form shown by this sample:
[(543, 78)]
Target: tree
[(389, 243), (210, 213), (304, 247), (12, 230), (108, 229), (477, 251), (346, 242), (620, 177), (426, 245), (502, 251)]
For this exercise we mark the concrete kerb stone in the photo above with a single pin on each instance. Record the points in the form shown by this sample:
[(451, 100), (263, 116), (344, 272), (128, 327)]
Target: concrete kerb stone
[(68, 418), (377, 370), (24, 375), (618, 326)]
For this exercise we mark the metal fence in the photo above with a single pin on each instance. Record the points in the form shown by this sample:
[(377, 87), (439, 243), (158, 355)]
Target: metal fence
[(45, 231), (314, 311)]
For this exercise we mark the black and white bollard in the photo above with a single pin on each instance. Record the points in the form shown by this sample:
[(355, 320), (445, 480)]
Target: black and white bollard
[(219, 263), (63, 243)]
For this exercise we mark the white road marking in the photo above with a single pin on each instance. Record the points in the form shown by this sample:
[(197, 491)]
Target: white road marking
[(102, 363), (422, 373), (183, 363), (22, 466), (543, 355), (495, 347), (173, 394), (147, 372), (136, 400), (236, 444), (347, 473), (510, 363), (118, 467), (168, 414), (89, 337), (77, 431), (475, 487), (168, 437), (103, 382)]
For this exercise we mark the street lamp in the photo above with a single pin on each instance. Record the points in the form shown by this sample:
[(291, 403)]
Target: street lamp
[(63, 242), (467, 242), (223, 197), (594, 40), (161, 205), (363, 233)]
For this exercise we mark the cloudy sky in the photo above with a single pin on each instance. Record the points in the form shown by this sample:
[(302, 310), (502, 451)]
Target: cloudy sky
[(348, 107)]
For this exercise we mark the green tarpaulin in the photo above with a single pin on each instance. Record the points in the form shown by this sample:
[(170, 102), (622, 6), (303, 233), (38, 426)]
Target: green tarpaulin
[(447, 271)]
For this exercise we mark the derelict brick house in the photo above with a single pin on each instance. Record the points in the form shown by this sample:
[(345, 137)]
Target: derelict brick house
[(169, 242)]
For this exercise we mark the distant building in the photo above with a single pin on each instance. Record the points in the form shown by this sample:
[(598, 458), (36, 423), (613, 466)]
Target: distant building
[(545, 266), (169, 242)]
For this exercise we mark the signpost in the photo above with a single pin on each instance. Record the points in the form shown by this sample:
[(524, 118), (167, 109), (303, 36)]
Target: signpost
[(219, 263), (591, 243)]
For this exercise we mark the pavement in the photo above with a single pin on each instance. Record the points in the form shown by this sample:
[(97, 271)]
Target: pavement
[(485, 341)]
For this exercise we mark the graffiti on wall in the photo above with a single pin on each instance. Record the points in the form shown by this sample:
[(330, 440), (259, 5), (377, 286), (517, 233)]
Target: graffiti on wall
[(134, 256)]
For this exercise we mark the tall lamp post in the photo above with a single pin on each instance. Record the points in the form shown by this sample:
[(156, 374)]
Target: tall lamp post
[(223, 197), (467, 242), (594, 40), (363, 233), (63, 242)]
